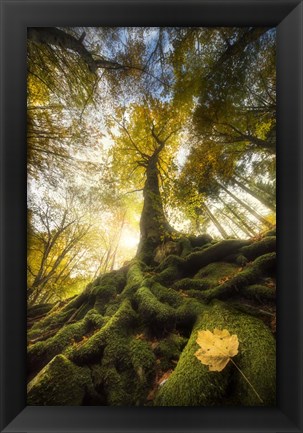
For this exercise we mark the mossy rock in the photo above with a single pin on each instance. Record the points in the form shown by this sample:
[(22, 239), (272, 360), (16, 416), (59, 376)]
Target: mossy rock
[(192, 384), (59, 383)]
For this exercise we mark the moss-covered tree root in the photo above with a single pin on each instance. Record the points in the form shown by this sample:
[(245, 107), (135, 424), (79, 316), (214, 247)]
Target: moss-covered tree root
[(130, 337)]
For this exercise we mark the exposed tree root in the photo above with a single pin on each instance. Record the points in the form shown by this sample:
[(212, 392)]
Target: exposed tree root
[(129, 338)]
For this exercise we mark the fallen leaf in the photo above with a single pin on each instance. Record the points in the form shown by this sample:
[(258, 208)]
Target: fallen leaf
[(140, 336), (216, 348), (164, 377), (224, 279)]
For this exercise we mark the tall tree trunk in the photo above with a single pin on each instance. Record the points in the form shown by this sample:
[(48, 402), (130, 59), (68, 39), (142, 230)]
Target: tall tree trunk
[(261, 198), (215, 221), (154, 227), (247, 207)]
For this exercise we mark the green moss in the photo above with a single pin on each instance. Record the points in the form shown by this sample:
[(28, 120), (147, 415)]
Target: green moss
[(53, 320), (265, 245), (104, 295), (143, 362), (115, 387), (168, 275), (38, 310), (259, 292), (159, 317), (187, 314), (207, 277), (82, 311), (190, 283), (112, 307), (241, 260), (214, 253), (120, 323), (60, 383), (135, 277), (146, 250), (166, 295), (216, 271), (168, 350), (201, 240), (251, 274), (192, 384), (115, 279), (76, 302), (186, 246), (117, 351), (106, 288), (40, 353), (172, 261), (126, 372)]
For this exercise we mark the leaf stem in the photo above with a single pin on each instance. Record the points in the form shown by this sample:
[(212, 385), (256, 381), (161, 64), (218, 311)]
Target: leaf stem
[(252, 387)]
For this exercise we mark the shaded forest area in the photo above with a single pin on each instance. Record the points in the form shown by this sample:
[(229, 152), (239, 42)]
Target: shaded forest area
[(151, 216)]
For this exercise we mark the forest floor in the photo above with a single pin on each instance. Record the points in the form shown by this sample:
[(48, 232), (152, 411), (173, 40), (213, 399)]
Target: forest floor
[(130, 337)]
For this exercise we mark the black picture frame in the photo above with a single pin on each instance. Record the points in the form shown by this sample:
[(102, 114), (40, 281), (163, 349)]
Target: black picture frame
[(16, 16)]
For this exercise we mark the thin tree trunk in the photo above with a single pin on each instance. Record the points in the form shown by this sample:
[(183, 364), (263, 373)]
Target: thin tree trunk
[(118, 242), (247, 207), (243, 230), (259, 188), (99, 267), (215, 221), (244, 226), (256, 195)]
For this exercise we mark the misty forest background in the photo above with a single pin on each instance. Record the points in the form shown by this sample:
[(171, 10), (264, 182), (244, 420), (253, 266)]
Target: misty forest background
[(151, 214)]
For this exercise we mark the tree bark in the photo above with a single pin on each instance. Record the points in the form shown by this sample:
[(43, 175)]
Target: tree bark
[(215, 221), (244, 226), (256, 195), (247, 207)]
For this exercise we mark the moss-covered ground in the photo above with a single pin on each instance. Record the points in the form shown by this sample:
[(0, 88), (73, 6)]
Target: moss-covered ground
[(130, 337)]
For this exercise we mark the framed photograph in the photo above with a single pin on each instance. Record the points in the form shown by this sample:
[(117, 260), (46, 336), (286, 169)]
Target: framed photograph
[(149, 150)]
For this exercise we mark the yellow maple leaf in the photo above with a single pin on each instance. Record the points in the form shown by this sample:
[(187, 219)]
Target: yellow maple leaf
[(216, 348)]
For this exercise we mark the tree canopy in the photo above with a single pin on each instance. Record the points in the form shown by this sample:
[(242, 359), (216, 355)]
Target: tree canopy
[(103, 103)]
